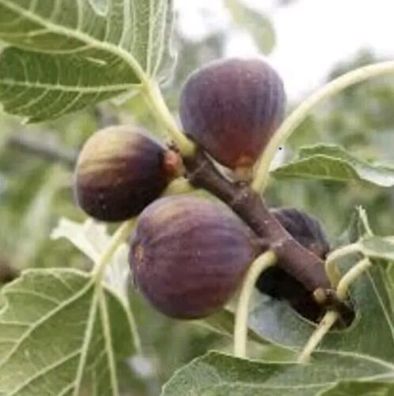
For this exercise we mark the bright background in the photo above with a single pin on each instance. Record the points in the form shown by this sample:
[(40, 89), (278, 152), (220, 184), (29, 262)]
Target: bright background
[(312, 35)]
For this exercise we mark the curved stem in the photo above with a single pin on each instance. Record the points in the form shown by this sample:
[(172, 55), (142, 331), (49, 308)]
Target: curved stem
[(299, 114), (159, 106), (120, 236), (330, 266), (332, 316), (324, 327), (353, 274), (262, 263)]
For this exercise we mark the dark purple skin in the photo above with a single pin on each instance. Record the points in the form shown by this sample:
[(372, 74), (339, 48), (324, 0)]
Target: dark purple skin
[(120, 171), (189, 256), (278, 284), (231, 108)]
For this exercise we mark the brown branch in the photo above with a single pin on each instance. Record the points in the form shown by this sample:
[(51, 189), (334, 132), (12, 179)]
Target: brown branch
[(44, 146), (294, 259)]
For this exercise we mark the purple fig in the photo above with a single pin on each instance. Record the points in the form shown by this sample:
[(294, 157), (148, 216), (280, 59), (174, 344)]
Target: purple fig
[(189, 255), (275, 282), (120, 170), (231, 108)]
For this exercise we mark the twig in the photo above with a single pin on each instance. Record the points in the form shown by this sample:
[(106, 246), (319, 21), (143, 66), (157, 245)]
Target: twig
[(43, 145), (293, 258)]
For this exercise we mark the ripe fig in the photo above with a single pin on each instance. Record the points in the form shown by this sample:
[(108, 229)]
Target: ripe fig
[(277, 283), (120, 170), (231, 108), (189, 255)]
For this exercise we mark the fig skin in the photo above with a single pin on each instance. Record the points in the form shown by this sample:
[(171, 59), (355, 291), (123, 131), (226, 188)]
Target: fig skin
[(120, 170), (189, 255), (275, 282), (231, 108)]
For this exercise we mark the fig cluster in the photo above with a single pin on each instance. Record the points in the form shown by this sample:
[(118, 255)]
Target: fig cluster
[(188, 255)]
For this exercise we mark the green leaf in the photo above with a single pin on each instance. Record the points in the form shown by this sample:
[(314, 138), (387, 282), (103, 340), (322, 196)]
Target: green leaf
[(259, 26), (216, 374), (371, 335), (61, 335), (69, 54), (331, 162), (376, 247), (361, 389), (92, 238), (222, 323)]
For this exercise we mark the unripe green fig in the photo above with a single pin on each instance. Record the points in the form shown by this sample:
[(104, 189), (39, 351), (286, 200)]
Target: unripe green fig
[(120, 170), (275, 282), (231, 108), (189, 255)]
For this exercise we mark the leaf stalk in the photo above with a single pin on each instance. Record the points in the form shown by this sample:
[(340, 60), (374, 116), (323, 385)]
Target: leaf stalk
[(300, 113), (262, 263)]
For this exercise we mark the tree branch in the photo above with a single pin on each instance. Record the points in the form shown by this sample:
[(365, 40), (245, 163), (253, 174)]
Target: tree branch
[(43, 146), (296, 260)]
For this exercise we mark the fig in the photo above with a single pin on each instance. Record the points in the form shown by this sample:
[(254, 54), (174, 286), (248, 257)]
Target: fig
[(120, 170), (231, 108), (275, 282), (305, 228), (189, 255)]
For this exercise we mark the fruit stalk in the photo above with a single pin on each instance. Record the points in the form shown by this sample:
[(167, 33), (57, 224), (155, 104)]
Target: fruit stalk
[(296, 260)]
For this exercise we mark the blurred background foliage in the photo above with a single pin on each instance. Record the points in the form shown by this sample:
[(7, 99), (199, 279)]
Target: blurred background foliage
[(36, 163)]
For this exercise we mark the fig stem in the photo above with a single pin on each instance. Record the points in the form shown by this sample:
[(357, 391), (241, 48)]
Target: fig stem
[(261, 264), (118, 238), (322, 329), (351, 276), (300, 113), (155, 99), (330, 266)]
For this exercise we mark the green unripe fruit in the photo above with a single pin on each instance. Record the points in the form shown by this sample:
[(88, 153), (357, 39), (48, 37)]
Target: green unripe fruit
[(231, 108), (189, 255), (120, 170)]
